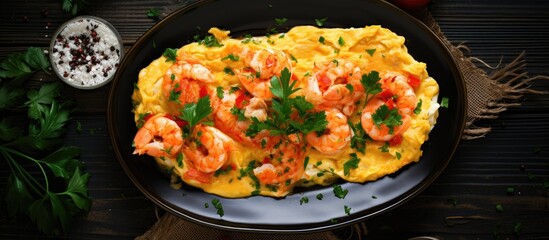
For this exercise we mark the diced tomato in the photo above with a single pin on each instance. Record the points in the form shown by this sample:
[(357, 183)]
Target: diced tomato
[(396, 140), (203, 91), (324, 82), (180, 122), (294, 77), (266, 160), (241, 100), (198, 175), (413, 81), (390, 104), (147, 117), (386, 95)]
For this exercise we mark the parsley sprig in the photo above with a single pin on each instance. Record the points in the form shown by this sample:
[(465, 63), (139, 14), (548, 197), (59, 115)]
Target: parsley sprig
[(389, 117), (195, 112), (50, 203), (279, 121), (74, 6)]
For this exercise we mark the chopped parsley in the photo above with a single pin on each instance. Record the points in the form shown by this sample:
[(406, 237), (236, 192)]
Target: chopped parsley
[(347, 210), (228, 71), (444, 102), (320, 22), (351, 164), (306, 162), (223, 171), (339, 192), (397, 154), (170, 54), (210, 41), (217, 204), (280, 21), (293, 58), (371, 51), (179, 159), (341, 41), (142, 119), (219, 92), (358, 140), (303, 200), (350, 87), (153, 13), (385, 147), (499, 208), (231, 57), (389, 118), (174, 95), (319, 196), (417, 110), (321, 40)]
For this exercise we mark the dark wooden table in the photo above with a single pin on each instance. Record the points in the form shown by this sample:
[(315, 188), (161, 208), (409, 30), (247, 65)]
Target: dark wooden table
[(461, 203)]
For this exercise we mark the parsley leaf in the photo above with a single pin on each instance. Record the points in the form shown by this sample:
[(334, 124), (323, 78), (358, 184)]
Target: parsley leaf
[(347, 210), (371, 51), (417, 110), (390, 118), (195, 112), (353, 163), (444, 102), (371, 83), (385, 147), (231, 57), (20, 65), (304, 199), (153, 13), (341, 41), (321, 40), (280, 21), (320, 22), (358, 140), (217, 204), (210, 41), (170, 54), (339, 192)]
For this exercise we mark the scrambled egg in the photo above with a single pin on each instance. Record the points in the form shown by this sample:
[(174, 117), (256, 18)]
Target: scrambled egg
[(372, 48)]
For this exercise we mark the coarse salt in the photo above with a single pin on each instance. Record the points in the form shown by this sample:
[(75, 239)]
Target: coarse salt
[(86, 52)]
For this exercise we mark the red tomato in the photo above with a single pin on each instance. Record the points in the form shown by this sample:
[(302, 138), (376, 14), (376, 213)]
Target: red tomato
[(396, 140), (241, 100), (203, 91), (390, 104), (410, 5), (413, 81), (386, 95)]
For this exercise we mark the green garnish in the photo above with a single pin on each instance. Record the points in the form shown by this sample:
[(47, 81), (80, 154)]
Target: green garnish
[(179, 159), (195, 112), (385, 147), (340, 41), (174, 94), (347, 210), (153, 13), (217, 204), (390, 118), (210, 41), (370, 82), (306, 161), (228, 71), (279, 121), (499, 208), (231, 57), (321, 39), (141, 119), (170, 54), (397, 154), (320, 22), (339, 192), (371, 51), (358, 140), (351, 164), (222, 171), (303, 200), (444, 102), (319, 196), (280, 21), (219, 92), (417, 110)]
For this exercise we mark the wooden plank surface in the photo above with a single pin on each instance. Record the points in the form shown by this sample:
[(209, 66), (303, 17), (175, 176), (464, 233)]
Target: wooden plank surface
[(460, 204)]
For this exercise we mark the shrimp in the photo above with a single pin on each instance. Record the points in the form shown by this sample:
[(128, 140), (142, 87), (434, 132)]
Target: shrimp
[(262, 65), (283, 169), (184, 82), (335, 85), (210, 150), (232, 115), (337, 135), (380, 132), (399, 88), (158, 137)]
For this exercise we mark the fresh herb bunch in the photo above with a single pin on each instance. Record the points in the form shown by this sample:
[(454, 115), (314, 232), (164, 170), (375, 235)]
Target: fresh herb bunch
[(59, 190), (280, 121)]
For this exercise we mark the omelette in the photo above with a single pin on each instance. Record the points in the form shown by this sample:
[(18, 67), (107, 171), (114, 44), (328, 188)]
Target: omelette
[(262, 115)]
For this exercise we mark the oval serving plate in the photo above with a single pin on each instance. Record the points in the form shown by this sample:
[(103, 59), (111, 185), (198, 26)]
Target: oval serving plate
[(265, 214)]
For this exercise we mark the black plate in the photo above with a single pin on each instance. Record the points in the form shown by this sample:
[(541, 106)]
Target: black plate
[(266, 214)]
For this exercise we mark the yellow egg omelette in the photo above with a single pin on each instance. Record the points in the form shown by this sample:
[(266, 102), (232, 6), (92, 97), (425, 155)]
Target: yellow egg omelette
[(262, 115)]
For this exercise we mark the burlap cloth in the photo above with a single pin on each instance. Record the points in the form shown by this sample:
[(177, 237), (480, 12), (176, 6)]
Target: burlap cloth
[(488, 94)]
